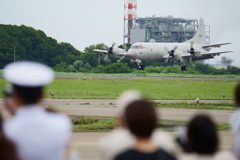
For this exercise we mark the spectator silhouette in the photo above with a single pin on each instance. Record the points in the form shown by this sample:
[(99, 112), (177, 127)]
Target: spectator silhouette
[(122, 139), (203, 142), (141, 119)]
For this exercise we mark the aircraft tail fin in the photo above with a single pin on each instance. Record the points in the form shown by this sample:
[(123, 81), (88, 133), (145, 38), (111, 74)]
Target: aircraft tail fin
[(200, 36)]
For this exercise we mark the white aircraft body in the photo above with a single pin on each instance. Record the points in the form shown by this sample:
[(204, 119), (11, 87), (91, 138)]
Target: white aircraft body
[(188, 51)]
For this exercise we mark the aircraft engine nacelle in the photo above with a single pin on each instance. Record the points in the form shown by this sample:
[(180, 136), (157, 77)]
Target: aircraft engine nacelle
[(197, 52)]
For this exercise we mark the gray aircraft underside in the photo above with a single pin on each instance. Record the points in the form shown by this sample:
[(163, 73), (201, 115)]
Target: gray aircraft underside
[(188, 51)]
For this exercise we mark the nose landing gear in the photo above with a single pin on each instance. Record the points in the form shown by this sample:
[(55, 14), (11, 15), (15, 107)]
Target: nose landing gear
[(184, 68)]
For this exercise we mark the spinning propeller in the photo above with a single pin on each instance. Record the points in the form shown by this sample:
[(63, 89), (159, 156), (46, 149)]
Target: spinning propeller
[(109, 50), (171, 54)]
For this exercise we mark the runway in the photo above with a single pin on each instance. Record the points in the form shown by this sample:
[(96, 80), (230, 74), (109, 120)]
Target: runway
[(101, 107)]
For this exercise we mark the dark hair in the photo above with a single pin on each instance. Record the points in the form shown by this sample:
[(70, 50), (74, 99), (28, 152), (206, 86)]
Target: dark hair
[(7, 148), (237, 96), (140, 117), (202, 136), (29, 95)]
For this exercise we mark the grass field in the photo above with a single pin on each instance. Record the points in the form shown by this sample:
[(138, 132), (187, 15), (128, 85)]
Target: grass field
[(90, 88), (209, 106), (101, 123), (143, 73)]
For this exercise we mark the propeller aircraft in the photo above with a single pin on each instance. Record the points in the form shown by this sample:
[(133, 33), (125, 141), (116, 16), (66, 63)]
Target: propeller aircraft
[(188, 51)]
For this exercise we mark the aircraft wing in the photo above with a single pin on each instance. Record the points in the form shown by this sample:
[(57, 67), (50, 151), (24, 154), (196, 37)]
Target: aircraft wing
[(213, 53), (99, 50), (215, 45), (205, 54)]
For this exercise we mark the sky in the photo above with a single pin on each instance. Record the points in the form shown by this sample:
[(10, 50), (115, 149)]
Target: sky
[(83, 23)]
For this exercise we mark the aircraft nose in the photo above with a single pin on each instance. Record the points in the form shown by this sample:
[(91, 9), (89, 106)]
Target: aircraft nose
[(132, 54)]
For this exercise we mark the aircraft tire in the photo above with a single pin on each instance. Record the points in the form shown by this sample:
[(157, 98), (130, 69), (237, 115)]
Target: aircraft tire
[(185, 68), (143, 67), (182, 68), (139, 67)]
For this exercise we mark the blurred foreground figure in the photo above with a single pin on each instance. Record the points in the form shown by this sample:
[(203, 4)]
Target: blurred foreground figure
[(203, 142), (121, 138), (235, 124), (141, 120), (38, 134), (7, 148)]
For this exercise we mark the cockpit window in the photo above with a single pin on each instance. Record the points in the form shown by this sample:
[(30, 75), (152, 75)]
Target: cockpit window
[(136, 47)]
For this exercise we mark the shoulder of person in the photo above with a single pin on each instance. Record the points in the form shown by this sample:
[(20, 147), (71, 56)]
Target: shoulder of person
[(115, 143), (124, 155), (189, 156), (162, 154), (118, 135), (164, 141), (222, 155)]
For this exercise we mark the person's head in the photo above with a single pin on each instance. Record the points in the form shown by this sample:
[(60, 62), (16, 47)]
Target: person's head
[(28, 79), (140, 118), (26, 95), (237, 96), (124, 100), (202, 136)]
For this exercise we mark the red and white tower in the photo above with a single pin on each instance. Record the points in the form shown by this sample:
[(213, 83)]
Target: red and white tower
[(130, 14)]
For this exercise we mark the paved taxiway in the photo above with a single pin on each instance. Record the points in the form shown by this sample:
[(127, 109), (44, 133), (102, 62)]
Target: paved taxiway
[(101, 107)]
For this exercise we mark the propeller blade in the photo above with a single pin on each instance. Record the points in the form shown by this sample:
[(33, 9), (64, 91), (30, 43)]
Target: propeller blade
[(166, 60), (190, 59), (166, 49), (113, 44), (105, 58), (175, 48), (175, 60)]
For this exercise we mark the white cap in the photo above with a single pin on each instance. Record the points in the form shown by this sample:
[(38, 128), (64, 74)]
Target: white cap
[(28, 74), (125, 99)]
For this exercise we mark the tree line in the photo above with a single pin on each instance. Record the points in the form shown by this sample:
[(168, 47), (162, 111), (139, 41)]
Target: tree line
[(34, 45)]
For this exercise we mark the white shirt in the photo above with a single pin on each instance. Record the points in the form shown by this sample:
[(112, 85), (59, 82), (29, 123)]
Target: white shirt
[(38, 134)]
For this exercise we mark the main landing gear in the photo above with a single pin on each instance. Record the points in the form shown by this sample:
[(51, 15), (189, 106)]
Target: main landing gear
[(184, 68), (141, 67)]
